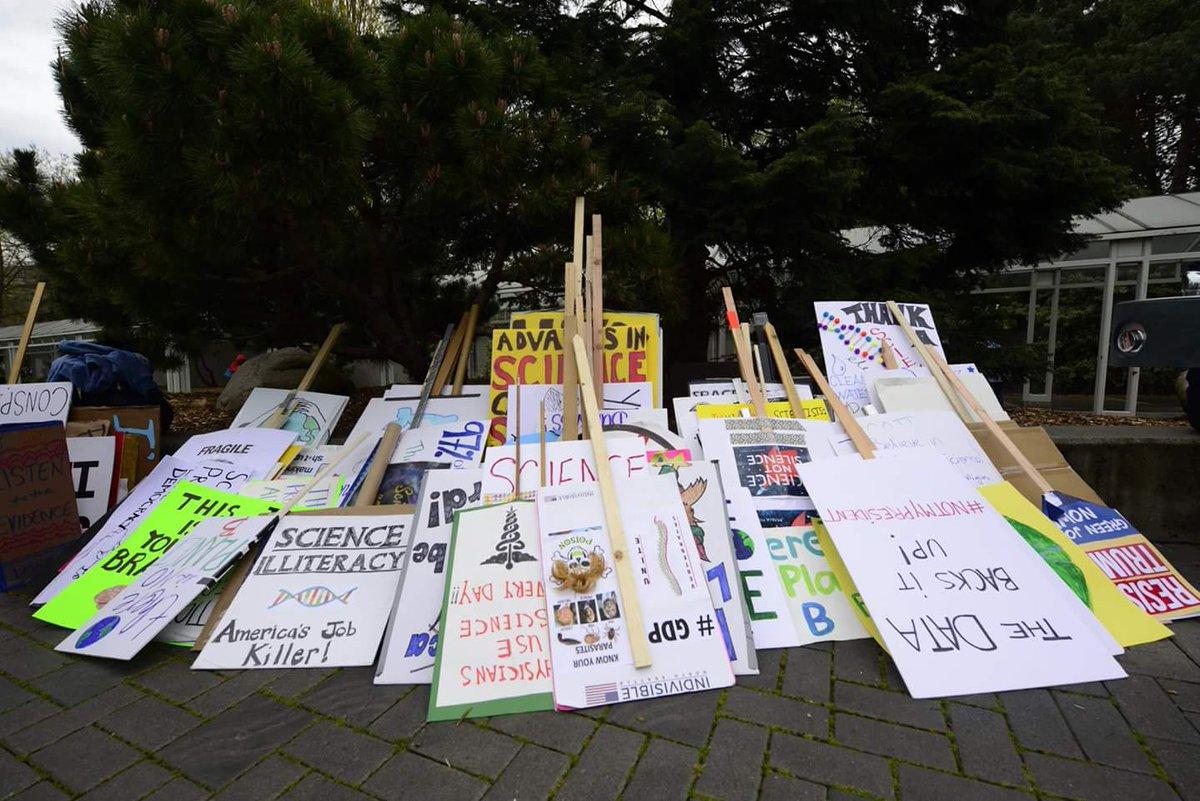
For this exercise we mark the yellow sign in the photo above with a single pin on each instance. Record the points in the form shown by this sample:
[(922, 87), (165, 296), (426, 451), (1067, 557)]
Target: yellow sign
[(531, 352), (1128, 624), (844, 581), (780, 410)]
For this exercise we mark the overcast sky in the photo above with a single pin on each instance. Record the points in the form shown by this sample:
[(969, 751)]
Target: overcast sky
[(30, 109)]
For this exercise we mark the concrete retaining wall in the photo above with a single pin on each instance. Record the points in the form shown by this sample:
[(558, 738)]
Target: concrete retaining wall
[(1151, 474)]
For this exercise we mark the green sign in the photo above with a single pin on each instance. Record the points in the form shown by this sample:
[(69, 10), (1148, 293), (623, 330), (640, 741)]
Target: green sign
[(173, 516)]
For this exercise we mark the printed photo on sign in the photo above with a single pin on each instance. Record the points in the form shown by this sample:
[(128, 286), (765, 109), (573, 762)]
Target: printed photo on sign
[(317, 596)]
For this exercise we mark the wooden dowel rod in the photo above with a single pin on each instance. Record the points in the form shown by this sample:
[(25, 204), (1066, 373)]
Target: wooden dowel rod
[(444, 369), (862, 443), (926, 354), (741, 348), (785, 372), (468, 340), (14, 369), (280, 416)]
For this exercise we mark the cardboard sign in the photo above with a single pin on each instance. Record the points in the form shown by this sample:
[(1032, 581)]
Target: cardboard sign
[(1127, 558), (38, 513), (138, 423), (172, 517), (820, 610), (493, 648), (93, 460), (129, 513), (621, 403), (940, 431), (593, 662), (1126, 622), (35, 403), (317, 596), (704, 504), (531, 352), (568, 463), (255, 449), (962, 603), (313, 418), (766, 602), (135, 617), (410, 645), (852, 337)]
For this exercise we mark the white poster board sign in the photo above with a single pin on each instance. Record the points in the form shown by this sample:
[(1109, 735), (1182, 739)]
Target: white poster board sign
[(254, 449), (35, 403), (411, 641), (852, 336), (439, 410), (93, 460), (621, 400), (459, 444), (313, 414), (726, 392), (317, 596), (770, 613), (130, 621), (309, 461), (568, 463), (324, 495), (906, 394), (940, 431), (961, 601), (593, 661)]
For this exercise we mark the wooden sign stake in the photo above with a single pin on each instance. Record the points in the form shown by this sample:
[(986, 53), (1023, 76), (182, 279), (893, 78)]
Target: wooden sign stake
[(542, 442), (570, 423), (635, 625), (14, 369), (284, 409), (859, 437), (889, 356), (447, 365), (785, 371), (596, 316), (460, 373), (517, 477), (741, 347), (379, 464), (926, 354)]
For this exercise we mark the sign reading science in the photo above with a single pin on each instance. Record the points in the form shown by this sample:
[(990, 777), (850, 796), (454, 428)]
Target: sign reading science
[(531, 352)]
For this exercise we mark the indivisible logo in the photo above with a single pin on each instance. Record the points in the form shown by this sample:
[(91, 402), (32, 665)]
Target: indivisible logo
[(511, 548), (97, 631)]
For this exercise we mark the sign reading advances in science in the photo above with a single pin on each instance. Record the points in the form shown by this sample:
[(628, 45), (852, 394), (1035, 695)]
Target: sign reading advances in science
[(593, 662), (126, 625), (35, 403), (410, 645), (177, 513), (493, 650), (317, 596), (960, 600), (1128, 559)]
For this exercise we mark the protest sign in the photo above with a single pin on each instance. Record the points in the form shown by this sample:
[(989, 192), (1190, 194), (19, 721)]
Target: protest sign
[(313, 414), (766, 602), (531, 352), (940, 431), (1127, 558), (317, 596), (399, 391), (852, 336), (131, 620), (308, 462), (323, 495), (1128, 623), (39, 517), (177, 513), (35, 403), (905, 394), (139, 424), (411, 641), (567, 463), (813, 410), (93, 460), (401, 411), (621, 403), (459, 444), (717, 390), (955, 592), (820, 610), (704, 504), (763, 455), (493, 650), (255, 449), (857, 605), (590, 646)]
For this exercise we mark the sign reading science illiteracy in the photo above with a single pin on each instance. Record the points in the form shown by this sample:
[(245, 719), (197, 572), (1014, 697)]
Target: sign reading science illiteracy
[(959, 598), (531, 352), (317, 596), (593, 662), (493, 654)]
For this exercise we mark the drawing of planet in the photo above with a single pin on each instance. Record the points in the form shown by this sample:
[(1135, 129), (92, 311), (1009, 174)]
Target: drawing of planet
[(743, 546), (97, 631)]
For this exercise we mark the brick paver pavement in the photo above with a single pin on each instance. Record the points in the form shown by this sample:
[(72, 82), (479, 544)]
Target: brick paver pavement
[(827, 722)]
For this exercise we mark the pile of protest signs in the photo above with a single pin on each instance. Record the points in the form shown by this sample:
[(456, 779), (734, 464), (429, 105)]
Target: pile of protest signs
[(546, 541)]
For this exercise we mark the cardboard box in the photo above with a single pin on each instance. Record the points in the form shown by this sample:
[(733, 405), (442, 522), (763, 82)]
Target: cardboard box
[(1041, 451), (141, 421)]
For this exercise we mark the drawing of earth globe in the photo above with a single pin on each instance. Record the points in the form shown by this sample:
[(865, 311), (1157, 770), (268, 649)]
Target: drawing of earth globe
[(97, 631), (743, 546)]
